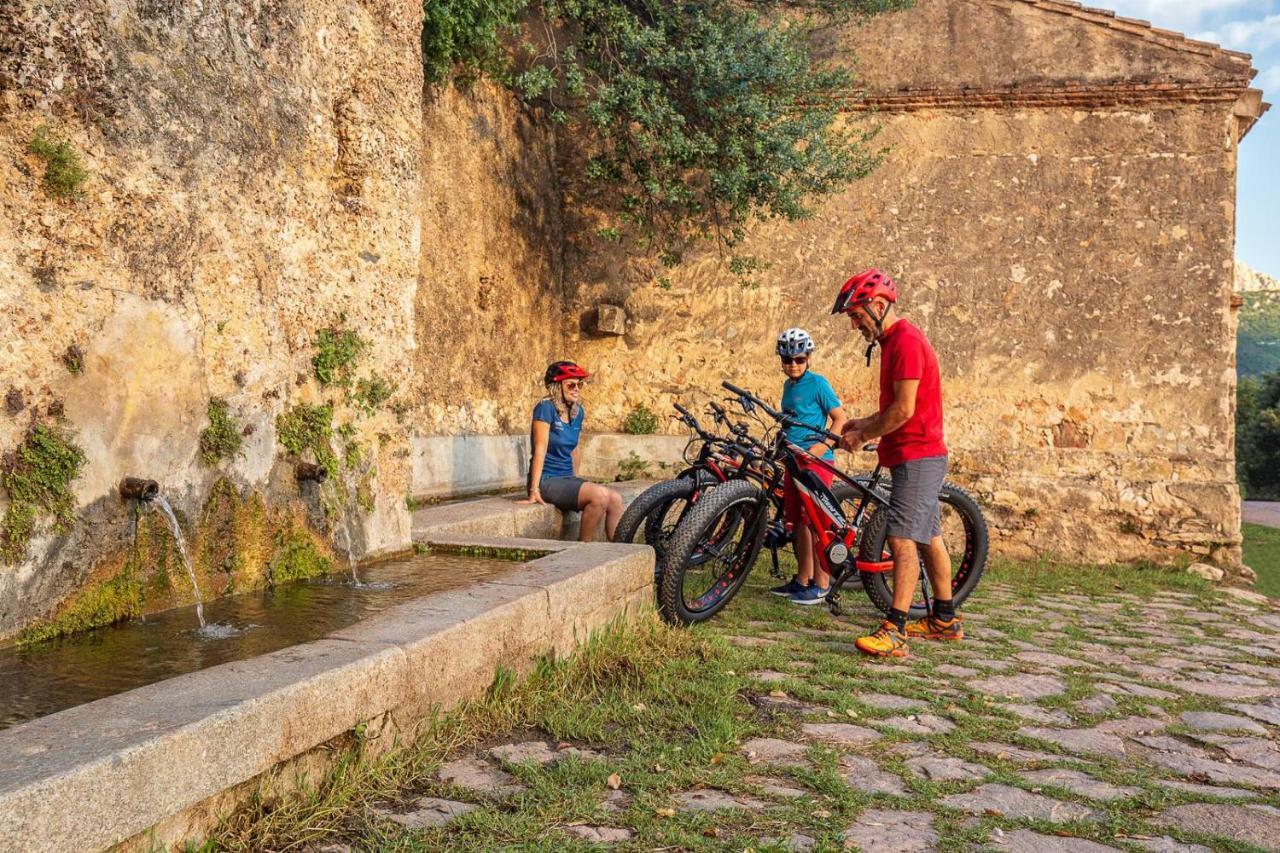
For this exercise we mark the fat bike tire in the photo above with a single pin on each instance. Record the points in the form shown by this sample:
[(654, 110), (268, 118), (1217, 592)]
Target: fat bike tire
[(965, 575), (723, 529)]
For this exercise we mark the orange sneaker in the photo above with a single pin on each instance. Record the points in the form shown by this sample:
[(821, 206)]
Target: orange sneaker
[(886, 642), (933, 628)]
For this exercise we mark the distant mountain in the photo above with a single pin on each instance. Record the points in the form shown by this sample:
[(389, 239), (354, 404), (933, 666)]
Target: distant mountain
[(1258, 337), (1249, 280)]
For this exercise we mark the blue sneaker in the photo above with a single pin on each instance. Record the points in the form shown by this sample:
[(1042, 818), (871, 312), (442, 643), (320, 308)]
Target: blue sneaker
[(810, 595), (789, 588)]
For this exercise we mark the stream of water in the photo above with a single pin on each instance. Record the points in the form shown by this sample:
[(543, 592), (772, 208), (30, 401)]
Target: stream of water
[(159, 501), (41, 679)]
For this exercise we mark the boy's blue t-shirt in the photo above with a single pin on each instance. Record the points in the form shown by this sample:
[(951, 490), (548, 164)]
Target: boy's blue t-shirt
[(809, 398), (562, 441)]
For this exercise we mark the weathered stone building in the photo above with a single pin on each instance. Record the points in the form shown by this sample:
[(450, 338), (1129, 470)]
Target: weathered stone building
[(1057, 200), (1057, 203)]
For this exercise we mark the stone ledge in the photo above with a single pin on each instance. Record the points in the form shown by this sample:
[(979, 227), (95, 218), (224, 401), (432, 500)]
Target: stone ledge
[(143, 758)]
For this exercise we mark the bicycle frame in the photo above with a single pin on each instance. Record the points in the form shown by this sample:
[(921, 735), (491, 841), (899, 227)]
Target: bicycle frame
[(835, 536)]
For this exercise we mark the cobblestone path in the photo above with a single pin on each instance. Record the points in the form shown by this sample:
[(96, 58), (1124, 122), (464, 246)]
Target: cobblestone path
[(1063, 722)]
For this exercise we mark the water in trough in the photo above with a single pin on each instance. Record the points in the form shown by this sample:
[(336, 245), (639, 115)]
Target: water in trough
[(48, 677)]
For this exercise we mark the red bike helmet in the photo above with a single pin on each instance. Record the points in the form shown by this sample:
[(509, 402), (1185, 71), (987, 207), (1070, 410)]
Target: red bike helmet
[(562, 370), (862, 288)]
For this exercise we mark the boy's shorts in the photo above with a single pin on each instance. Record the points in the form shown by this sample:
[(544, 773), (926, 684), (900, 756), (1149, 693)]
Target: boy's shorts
[(791, 495)]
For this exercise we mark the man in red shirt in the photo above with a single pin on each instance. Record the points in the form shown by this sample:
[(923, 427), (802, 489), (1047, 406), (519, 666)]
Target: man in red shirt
[(909, 426)]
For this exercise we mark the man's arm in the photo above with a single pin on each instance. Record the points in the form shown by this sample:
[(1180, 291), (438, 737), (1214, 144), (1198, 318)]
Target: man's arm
[(898, 413)]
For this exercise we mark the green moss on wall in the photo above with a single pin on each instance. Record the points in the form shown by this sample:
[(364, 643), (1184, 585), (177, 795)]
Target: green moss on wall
[(222, 438), (111, 601), (37, 477), (298, 556)]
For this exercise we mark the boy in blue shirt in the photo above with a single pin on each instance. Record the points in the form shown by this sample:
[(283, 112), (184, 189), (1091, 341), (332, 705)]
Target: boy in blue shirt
[(809, 397)]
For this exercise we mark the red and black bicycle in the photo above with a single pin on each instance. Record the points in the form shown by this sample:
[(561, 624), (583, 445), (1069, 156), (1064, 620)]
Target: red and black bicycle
[(717, 542)]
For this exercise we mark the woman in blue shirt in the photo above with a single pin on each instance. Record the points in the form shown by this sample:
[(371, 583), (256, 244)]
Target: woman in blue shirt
[(809, 397), (553, 465)]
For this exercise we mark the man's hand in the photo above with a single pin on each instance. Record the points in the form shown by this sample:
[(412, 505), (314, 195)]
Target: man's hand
[(851, 436), (535, 497)]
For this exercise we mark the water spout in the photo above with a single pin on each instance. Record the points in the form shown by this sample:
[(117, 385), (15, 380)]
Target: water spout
[(138, 489), (310, 472)]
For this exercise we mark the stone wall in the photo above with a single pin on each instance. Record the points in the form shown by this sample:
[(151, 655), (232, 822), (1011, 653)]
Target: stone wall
[(1059, 214), (488, 311), (253, 177)]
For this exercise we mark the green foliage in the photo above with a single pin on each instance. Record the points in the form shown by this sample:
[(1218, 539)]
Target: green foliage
[(698, 117), (1258, 336), (37, 477), (466, 36), (1258, 436), (641, 421), (306, 427), (336, 354), (632, 467), (373, 392), (64, 174), (221, 439)]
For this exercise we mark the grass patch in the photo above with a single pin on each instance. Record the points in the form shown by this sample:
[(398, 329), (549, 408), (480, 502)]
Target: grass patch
[(221, 439), (1033, 577), (64, 173), (1262, 554), (37, 477)]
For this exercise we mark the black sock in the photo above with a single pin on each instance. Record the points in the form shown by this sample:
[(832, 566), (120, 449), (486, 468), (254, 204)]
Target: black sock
[(899, 619), (944, 610)]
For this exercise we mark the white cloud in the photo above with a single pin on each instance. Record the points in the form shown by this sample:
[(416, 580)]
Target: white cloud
[(1269, 81), (1255, 36), (1175, 14)]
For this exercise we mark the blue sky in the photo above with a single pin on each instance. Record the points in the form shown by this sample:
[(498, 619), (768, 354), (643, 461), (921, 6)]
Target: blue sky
[(1252, 26)]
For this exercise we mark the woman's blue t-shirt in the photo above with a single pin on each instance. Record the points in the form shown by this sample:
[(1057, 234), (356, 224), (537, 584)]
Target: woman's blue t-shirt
[(809, 399), (560, 443)]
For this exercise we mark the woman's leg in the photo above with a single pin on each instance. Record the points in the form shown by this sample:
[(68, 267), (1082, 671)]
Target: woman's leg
[(612, 514), (593, 501)]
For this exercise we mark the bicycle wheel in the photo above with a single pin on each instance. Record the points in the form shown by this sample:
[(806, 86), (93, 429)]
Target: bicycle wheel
[(711, 552), (652, 517), (964, 530)]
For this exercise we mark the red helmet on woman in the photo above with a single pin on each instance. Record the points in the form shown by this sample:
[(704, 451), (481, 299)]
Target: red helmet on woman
[(562, 370), (862, 288)]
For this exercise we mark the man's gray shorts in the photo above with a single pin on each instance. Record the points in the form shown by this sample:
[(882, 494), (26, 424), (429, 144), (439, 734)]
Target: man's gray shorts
[(913, 507)]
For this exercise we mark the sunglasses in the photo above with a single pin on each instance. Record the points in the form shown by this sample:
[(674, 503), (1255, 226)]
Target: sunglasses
[(573, 384), (798, 359)]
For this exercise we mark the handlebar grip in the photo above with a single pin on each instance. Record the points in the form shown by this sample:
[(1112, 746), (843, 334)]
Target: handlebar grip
[(729, 386), (682, 410)]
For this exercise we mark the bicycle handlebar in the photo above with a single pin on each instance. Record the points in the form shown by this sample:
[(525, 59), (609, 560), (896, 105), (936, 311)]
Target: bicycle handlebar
[(781, 417)]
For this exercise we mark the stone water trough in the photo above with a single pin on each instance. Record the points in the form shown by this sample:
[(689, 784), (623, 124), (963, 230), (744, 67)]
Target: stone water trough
[(160, 764)]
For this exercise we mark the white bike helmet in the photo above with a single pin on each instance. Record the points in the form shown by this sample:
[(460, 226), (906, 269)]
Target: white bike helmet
[(795, 342)]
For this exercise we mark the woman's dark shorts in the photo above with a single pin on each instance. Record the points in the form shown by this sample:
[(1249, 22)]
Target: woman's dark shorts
[(914, 512), (561, 492)]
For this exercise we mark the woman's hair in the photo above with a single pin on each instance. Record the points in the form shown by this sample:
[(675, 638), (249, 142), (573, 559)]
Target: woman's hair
[(555, 393)]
